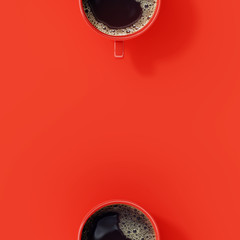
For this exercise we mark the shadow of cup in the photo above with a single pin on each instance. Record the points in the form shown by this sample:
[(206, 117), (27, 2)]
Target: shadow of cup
[(168, 231), (171, 34)]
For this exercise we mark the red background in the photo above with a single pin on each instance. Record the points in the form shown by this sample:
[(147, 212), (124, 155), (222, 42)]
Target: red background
[(160, 127)]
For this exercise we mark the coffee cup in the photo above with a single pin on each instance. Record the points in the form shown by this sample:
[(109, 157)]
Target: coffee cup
[(119, 20), (118, 220)]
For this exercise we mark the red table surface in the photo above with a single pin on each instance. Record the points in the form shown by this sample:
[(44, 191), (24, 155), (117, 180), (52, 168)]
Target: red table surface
[(159, 128)]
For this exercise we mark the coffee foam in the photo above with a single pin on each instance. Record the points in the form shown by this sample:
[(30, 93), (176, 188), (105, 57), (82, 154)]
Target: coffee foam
[(133, 223), (148, 9)]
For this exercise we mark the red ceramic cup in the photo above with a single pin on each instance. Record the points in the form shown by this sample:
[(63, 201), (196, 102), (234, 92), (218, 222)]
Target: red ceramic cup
[(119, 40), (113, 202)]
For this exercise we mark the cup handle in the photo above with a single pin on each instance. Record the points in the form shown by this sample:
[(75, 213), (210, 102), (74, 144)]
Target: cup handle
[(118, 49)]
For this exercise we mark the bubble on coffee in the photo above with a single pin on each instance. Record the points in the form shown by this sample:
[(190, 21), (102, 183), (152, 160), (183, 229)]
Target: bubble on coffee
[(133, 223), (148, 8)]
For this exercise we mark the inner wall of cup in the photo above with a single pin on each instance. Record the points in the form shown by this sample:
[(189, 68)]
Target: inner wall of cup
[(134, 224), (148, 7)]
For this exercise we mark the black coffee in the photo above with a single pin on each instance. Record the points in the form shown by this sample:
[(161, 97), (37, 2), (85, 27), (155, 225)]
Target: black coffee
[(119, 17), (118, 222), (106, 228), (116, 13)]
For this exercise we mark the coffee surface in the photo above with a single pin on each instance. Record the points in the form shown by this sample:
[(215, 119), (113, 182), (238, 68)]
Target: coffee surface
[(118, 222), (116, 13), (106, 228), (119, 17)]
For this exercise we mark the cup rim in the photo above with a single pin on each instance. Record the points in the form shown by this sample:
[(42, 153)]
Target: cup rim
[(112, 202), (125, 37)]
